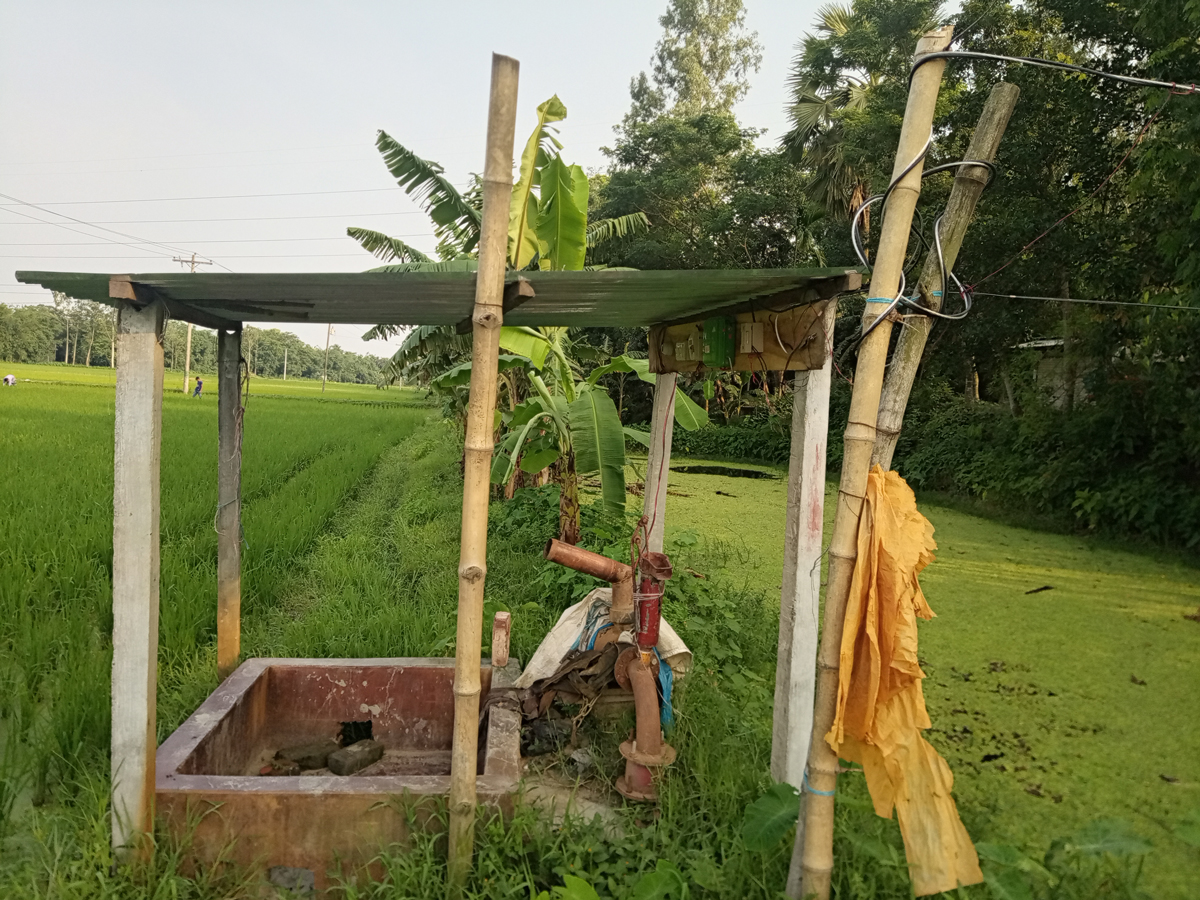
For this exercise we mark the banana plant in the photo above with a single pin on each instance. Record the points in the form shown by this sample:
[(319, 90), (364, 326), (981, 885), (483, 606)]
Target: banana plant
[(548, 224), (572, 423)]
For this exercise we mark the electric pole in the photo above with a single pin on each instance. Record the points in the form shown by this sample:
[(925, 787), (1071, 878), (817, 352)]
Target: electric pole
[(325, 370), (285, 349), (187, 359)]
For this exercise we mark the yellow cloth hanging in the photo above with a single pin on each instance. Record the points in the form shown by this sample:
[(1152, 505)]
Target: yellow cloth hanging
[(881, 709)]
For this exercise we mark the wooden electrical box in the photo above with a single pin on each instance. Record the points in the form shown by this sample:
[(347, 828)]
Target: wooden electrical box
[(762, 340)]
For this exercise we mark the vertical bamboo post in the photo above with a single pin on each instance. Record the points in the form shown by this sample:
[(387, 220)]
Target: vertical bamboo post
[(229, 501), (817, 866), (135, 572), (795, 674), (472, 567), (968, 185), (658, 458)]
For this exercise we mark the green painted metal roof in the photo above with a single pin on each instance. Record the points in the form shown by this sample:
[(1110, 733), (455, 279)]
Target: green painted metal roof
[(604, 298)]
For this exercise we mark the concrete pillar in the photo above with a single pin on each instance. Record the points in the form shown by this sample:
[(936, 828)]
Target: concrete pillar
[(135, 572), (658, 460), (799, 628), (229, 501)]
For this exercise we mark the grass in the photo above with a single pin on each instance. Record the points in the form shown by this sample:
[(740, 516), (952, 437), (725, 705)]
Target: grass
[(1035, 698), (173, 382), (352, 521), (303, 459)]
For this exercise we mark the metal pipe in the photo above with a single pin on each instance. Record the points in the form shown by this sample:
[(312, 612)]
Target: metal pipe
[(619, 575), (647, 751)]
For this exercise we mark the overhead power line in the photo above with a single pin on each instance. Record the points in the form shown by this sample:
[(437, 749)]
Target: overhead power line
[(1081, 300), (215, 197), (340, 237), (236, 218), (361, 255), (131, 237)]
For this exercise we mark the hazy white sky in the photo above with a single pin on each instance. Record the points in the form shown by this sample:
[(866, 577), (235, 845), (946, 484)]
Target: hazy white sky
[(157, 119)]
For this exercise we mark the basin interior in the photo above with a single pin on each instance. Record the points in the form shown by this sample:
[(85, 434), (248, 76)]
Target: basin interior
[(410, 705)]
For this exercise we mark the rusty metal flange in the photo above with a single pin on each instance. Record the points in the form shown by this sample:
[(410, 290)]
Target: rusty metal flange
[(665, 757)]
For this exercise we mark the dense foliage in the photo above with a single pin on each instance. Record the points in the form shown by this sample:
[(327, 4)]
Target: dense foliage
[(1085, 411)]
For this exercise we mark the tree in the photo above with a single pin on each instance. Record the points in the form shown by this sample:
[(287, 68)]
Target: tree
[(715, 201), (702, 62)]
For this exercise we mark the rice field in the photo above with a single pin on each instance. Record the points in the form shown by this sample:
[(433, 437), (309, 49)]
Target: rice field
[(302, 458)]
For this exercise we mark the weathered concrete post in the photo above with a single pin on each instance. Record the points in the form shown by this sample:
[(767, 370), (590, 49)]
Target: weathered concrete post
[(135, 572), (658, 459), (229, 501), (800, 598)]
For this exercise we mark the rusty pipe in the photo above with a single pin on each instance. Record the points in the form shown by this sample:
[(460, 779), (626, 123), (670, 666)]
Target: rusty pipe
[(647, 751), (619, 575)]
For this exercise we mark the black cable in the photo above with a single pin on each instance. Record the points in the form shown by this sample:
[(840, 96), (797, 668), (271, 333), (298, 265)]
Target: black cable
[(1090, 302), (1049, 64), (947, 275)]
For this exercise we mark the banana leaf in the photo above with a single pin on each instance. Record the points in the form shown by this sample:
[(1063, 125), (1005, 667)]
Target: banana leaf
[(523, 208), (562, 217), (460, 375), (599, 444), (526, 342)]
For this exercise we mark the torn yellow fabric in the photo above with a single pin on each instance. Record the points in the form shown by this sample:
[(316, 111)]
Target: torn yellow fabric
[(881, 709)]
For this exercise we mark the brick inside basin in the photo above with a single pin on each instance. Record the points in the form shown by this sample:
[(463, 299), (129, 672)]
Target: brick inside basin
[(208, 769)]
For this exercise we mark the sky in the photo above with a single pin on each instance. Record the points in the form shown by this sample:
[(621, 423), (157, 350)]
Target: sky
[(244, 132)]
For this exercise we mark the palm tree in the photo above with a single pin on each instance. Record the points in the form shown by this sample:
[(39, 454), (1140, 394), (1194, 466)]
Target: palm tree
[(823, 92)]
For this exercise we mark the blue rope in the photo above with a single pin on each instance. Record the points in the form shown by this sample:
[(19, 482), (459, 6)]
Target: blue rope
[(812, 790)]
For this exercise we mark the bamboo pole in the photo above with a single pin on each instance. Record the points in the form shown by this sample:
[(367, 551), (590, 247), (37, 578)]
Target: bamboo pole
[(968, 185), (472, 567), (817, 865)]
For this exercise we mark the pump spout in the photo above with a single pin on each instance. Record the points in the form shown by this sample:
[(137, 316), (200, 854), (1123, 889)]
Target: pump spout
[(619, 575)]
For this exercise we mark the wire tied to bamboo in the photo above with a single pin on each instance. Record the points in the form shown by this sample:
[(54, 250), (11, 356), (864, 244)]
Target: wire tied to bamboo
[(816, 831)]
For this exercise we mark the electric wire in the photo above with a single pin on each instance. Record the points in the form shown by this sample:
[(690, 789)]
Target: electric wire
[(967, 292), (131, 237), (215, 197), (1172, 86)]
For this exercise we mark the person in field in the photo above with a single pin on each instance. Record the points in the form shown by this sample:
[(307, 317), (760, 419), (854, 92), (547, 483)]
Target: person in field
[(199, 387), (10, 380)]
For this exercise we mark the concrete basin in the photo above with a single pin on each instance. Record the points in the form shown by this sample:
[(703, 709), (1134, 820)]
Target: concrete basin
[(208, 784)]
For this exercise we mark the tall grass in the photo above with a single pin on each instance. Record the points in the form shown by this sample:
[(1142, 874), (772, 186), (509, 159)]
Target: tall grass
[(302, 459)]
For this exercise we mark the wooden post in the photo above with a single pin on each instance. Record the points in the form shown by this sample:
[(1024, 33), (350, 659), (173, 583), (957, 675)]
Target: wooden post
[(137, 450), (795, 672), (968, 185), (859, 442), (481, 408), (229, 500), (325, 368), (658, 458), (187, 361)]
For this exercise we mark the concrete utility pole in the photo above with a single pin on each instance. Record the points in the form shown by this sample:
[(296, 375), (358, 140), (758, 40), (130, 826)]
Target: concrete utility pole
[(285, 349), (325, 370), (187, 360)]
